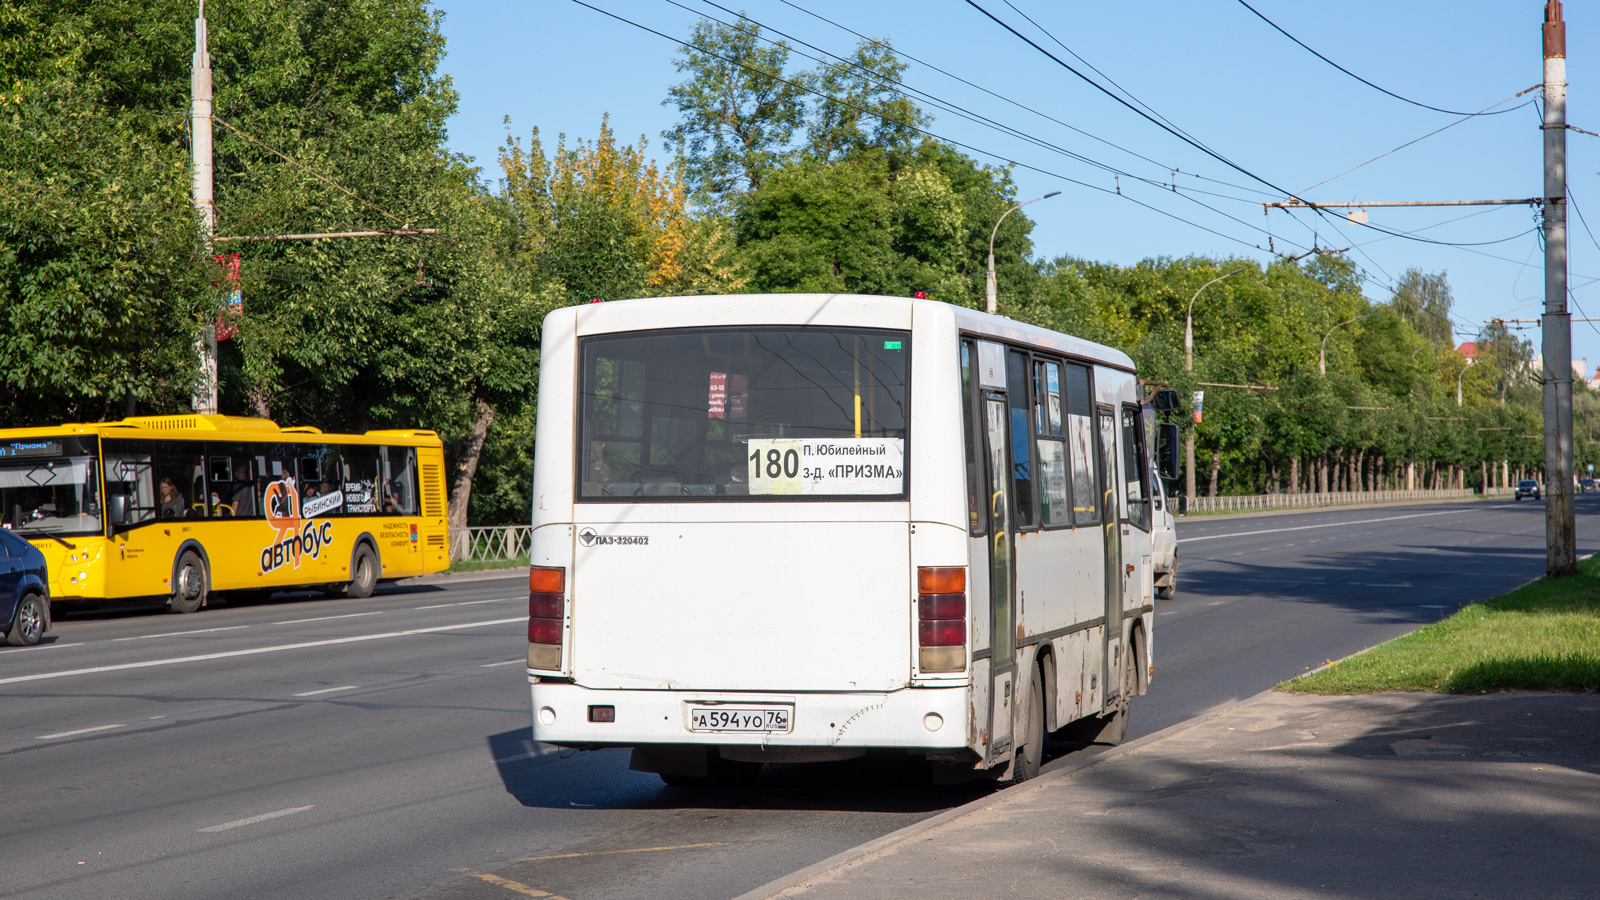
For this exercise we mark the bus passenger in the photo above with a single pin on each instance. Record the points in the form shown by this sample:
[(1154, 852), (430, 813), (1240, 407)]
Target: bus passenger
[(172, 505)]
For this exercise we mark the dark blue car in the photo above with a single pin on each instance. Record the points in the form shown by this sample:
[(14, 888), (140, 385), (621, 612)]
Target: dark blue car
[(24, 591)]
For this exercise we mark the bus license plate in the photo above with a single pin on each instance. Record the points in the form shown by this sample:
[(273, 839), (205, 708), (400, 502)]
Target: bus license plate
[(739, 718)]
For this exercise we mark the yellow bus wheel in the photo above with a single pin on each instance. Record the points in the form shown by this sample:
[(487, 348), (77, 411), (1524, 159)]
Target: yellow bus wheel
[(189, 584)]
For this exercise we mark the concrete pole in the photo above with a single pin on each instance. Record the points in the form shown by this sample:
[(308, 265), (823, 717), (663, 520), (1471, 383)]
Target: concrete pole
[(205, 392), (1561, 555), (992, 305), (1188, 366)]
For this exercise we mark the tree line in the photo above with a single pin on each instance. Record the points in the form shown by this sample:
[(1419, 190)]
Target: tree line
[(331, 117)]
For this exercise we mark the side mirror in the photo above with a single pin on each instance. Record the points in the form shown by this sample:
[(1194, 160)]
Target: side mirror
[(1165, 400), (1167, 461), (1182, 506), (118, 508)]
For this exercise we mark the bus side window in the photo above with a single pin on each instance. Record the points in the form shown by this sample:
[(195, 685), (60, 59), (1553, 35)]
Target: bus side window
[(1054, 506), (180, 479), (130, 472), (1080, 439), (1021, 439), (977, 509), (400, 481), (362, 491), (1134, 471)]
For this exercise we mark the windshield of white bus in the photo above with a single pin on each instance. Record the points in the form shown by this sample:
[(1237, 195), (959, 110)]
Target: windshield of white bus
[(750, 413), (50, 486)]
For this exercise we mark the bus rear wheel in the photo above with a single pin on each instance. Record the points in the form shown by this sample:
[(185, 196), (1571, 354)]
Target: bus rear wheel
[(189, 584), (363, 573), (1030, 753)]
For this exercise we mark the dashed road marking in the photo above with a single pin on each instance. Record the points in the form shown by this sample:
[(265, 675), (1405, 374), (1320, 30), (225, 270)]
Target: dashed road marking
[(1212, 537), (517, 886), (467, 603), (508, 662), (348, 687), (142, 637), (11, 650), (240, 823), (325, 618), (251, 652), (67, 734), (628, 850)]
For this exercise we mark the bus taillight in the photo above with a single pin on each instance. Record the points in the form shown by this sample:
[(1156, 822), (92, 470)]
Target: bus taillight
[(546, 603), (941, 619)]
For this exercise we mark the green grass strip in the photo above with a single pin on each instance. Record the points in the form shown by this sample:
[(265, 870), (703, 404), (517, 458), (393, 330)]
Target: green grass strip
[(1544, 636), (478, 565)]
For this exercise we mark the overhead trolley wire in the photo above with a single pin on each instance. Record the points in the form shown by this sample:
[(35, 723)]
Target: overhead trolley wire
[(931, 134), (1303, 46)]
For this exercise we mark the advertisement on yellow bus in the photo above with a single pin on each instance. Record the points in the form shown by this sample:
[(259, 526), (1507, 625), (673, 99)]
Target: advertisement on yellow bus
[(177, 508)]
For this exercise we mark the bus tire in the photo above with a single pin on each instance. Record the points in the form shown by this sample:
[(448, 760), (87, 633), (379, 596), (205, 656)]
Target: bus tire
[(363, 573), (1029, 755), (189, 583), (28, 625)]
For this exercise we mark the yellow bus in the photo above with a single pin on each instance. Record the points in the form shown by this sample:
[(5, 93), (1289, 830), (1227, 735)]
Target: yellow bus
[(177, 507)]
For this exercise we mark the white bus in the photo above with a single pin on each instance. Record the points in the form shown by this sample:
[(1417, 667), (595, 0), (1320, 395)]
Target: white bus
[(787, 528)]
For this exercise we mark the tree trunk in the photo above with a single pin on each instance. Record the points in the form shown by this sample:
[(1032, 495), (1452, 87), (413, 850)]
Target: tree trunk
[(257, 398), (1216, 469), (467, 462), (1294, 475)]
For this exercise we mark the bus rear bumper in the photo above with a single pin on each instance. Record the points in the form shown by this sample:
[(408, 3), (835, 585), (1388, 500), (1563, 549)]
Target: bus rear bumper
[(913, 718)]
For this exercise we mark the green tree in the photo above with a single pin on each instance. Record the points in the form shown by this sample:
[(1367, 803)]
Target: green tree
[(1424, 300), (740, 111)]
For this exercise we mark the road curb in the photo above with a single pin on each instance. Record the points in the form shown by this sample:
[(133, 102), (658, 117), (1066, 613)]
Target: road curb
[(448, 577), (894, 838)]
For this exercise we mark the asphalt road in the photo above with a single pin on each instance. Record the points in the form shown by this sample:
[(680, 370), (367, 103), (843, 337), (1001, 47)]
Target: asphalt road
[(378, 748)]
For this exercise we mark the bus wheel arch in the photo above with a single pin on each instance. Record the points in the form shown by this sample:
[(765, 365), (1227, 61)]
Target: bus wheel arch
[(1046, 664), (191, 579)]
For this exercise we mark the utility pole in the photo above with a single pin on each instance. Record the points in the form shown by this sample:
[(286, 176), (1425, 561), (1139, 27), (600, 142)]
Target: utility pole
[(1560, 532), (1560, 527), (205, 392)]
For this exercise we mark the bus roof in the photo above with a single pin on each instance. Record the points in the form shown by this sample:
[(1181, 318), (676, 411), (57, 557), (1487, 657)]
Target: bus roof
[(839, 310), (212, 426)]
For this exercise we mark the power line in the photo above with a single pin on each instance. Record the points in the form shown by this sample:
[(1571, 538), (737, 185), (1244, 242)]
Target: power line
[(924, 131), (1364, 81), (974, 117)]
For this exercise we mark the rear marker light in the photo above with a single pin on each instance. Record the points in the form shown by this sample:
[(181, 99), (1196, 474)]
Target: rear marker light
[(941, 618), (602, 713)]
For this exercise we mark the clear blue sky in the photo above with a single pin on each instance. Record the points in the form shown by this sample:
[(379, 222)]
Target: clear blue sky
[(1209, 66)]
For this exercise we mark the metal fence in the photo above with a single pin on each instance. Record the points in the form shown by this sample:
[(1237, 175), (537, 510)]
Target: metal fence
[(511, 541), (491, 542), (1248, 502)]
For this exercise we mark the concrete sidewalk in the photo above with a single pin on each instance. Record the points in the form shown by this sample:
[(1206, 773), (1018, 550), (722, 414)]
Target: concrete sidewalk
[(1389, 795)]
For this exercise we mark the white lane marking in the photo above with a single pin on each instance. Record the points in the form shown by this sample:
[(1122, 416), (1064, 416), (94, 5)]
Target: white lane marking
[(467, 603), (10, 650), (324, 618), (65, 734), (1212, 537), (348, 687), (141, 637), (1380, 583), (509, 662), (233, 653), (240, 823)]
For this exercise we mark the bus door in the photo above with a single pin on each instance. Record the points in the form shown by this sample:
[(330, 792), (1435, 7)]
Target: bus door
[(1002, 630), (1113, 527)]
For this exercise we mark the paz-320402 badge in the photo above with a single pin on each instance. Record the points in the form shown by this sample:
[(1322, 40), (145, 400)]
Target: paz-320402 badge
[(591, 538)]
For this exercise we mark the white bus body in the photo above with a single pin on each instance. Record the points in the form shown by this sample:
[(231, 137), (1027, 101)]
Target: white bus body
[(796, 527)]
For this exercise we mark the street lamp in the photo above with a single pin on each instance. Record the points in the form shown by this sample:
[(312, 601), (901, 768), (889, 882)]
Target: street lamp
[(993, 302), (1458, 381), (1188, 365), (1322, 357)]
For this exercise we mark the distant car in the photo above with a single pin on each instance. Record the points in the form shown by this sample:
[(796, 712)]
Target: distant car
[(1527, 487), (1586, 485), (24, 591), (1164, 542)]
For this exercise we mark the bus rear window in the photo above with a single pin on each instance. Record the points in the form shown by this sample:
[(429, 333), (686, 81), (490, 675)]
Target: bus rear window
[(751, 413)]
